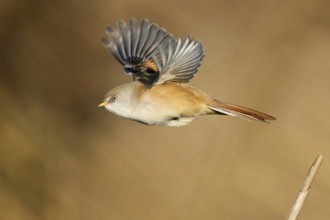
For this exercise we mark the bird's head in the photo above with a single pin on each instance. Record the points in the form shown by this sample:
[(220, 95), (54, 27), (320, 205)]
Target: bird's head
[(119, 99)]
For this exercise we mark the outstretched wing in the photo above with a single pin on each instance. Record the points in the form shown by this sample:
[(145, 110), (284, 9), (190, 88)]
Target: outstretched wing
[(134, 45), (178, 61)]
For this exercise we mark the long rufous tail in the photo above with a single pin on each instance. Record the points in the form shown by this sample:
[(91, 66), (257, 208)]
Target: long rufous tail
[(238, 111)]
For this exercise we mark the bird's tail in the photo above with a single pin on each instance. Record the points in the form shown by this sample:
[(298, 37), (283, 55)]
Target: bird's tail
[(219, 107)]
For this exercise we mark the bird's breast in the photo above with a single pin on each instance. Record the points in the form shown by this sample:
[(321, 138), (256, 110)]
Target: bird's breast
[(167, 104)]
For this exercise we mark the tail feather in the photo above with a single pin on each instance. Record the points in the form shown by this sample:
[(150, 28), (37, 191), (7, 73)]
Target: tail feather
[(240, 112)]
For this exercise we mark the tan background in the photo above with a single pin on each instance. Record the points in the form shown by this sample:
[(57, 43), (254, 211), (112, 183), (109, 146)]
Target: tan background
[(61, 157)]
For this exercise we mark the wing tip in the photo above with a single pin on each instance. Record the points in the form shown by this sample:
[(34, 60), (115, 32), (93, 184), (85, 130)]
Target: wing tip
[(104, 41)]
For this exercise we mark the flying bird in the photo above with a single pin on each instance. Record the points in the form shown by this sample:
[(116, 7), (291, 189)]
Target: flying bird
[(161, 66)]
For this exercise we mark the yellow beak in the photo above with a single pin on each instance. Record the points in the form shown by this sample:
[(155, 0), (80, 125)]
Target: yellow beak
[(103, 104)]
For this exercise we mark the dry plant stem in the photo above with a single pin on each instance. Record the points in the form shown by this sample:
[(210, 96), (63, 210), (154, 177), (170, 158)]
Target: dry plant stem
[(293, 214)]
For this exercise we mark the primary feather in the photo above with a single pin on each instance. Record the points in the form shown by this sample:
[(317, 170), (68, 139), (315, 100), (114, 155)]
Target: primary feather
[(133, 45), (178, 62)]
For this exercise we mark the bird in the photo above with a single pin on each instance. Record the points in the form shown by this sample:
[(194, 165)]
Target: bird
[(161, 66)]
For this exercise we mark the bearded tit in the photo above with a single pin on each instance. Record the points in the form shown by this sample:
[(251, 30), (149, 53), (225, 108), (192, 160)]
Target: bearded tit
[(161, 66)]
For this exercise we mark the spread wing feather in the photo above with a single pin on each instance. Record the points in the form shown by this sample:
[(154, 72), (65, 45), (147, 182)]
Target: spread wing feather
[(135, 34), (178, 61), (133, 45)]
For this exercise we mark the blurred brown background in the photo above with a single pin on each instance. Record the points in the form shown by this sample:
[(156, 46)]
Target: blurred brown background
[(61, 157)]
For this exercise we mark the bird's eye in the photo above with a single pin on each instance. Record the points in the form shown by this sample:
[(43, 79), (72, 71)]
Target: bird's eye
[(112, 99)]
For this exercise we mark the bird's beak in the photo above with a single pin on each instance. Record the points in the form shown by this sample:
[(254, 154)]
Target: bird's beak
[(103, 104)]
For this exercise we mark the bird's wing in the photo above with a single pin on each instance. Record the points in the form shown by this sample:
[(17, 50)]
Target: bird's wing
[(133, 45), (178, 61)]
